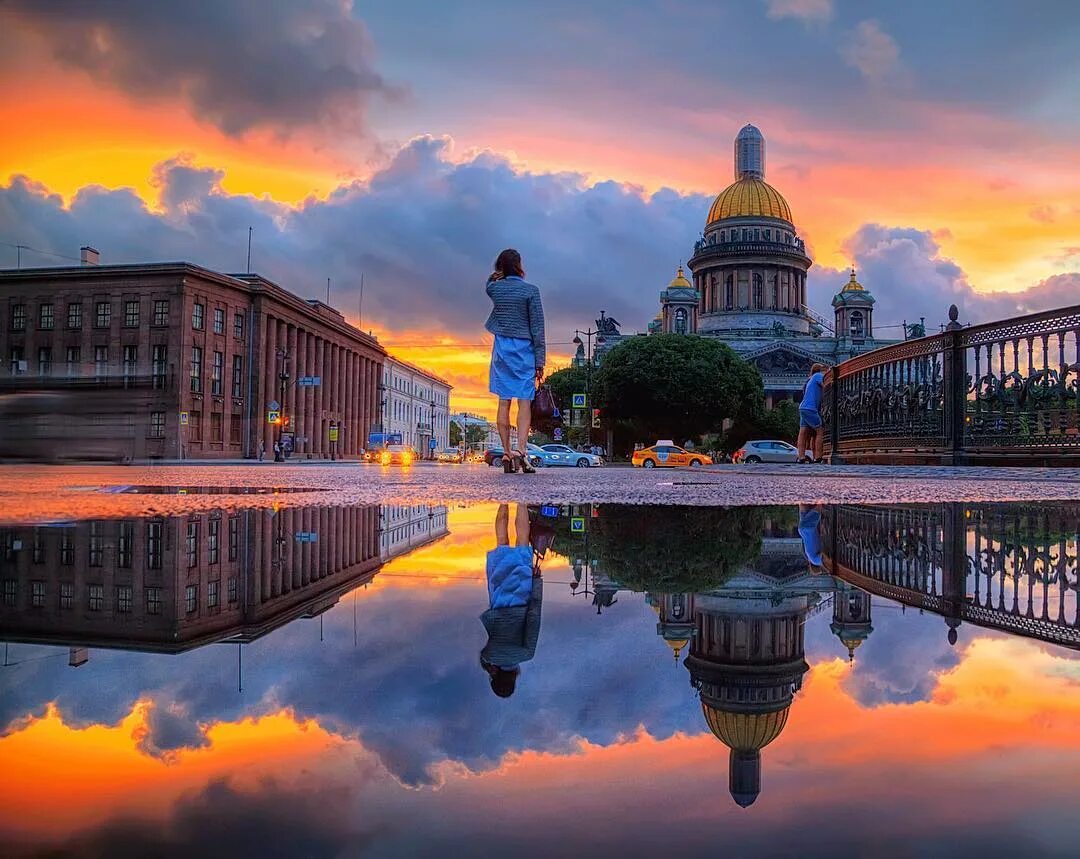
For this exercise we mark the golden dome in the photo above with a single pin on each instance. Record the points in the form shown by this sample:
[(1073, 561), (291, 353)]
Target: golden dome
[(744, 731), (677, 644), (749, 197), (853, 285), (680, 281)]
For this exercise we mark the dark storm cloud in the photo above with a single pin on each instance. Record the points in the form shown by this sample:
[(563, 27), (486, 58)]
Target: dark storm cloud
[(168, 728), (238, 65)]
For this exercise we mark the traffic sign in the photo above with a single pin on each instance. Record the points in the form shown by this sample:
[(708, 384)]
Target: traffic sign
[(309, 381), (273, 417), (557, 434), (432, 443), (333, 432), (550, 510), (579, 401), (577, 525), (307, 537), (274, 406), (183, 419)]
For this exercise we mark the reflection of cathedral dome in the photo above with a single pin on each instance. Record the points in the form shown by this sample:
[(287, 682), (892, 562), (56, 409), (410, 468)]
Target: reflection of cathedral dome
[(745, 731), (677, 644), (749, 197)]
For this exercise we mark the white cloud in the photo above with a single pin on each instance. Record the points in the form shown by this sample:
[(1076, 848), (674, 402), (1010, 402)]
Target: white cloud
[(807, 11), (872, 51)]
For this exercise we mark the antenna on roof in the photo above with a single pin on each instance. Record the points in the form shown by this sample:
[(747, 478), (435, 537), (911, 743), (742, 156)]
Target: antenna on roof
[(360, 306), (328, 292), (248, 269)]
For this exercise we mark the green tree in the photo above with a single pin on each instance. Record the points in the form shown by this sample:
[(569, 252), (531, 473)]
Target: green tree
[(567, 382), (673, 386), (475, 433), (455, 434), (780, 422)]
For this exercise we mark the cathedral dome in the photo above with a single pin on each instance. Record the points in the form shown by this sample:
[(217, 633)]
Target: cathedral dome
[(853, 285), (750, 197), (680, 281), (745, 731)]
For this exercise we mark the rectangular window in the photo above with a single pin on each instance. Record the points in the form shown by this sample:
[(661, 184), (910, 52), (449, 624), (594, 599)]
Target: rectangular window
[(234, 589), (45, 317), (97, 544), (74, 315), (212, 593), (44, 361), (154, 533), (196, 369), (213, 541), (102, 314), (96, 594), (192, 543), (234, 428), (9, 546), (219, 321), (161, 313), (237, 376), (131, 314), (11, 591), (153, 600), (101, 363), (217, 371), (159, 363), (74, 360), (191, 598), (67, 594), (38, 556), (195, 426), (198, 316), (18, 317), (238, 326), (157, 424), (125, 545), (67, 547), (18, 360), (123, 598), (131, 362), (37, 594), (234, 537), (215, 426)]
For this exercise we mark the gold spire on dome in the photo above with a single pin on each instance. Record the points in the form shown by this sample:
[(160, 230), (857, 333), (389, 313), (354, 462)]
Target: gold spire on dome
[(750, 197), (744, 731), (680, 281), (853, 285), (677, 645)]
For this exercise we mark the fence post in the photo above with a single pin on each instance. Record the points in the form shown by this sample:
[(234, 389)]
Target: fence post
[(834, 424), (954, 399)]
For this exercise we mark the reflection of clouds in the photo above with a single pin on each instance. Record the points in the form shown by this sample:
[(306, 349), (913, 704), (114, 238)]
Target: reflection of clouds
[(168, 729)]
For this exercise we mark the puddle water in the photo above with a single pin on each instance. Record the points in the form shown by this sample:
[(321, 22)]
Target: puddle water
[(537, 681), (197, 490)]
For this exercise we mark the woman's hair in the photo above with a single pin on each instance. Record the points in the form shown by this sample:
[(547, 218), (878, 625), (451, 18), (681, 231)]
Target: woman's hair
[(508, 264)]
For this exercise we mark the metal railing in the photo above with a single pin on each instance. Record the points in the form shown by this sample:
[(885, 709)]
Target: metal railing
[(1005, 392), (770, 248)]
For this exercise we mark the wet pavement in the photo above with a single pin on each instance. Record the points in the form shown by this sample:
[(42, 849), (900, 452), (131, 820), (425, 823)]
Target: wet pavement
[(282, 675), (50, 493)]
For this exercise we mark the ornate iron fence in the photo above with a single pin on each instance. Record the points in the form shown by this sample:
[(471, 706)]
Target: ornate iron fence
[(1006, 392), (1010, 567)]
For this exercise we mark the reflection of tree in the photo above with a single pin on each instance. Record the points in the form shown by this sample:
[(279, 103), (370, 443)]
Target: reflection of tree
[(666, 549)]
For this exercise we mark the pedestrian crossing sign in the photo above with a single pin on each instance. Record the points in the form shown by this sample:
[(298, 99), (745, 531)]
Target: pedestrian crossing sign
[(183, 419), (273, 417), (333, 432), (579, 401), (577, 525)]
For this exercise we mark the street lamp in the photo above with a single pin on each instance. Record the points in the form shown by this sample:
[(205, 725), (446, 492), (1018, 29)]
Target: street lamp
[(283, 378), (431, 418), (590, 358)]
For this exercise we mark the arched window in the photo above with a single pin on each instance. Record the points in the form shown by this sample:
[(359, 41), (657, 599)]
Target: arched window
[(729, 292), (855, 319), (723, 235), (680, 321), (759, 292)]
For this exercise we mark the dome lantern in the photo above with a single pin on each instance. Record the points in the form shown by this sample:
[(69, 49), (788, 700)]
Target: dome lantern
[(749, 153)]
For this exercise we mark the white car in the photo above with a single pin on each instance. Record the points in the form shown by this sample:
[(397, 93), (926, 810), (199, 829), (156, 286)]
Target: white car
[(767, 451), (563, 455)]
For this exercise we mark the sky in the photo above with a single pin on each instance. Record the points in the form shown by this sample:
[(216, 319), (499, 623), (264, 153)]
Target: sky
[(932, 145), (359, 733)]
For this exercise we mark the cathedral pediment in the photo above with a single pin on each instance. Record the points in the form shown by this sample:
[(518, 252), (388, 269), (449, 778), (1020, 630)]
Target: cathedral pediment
[(783, 359)]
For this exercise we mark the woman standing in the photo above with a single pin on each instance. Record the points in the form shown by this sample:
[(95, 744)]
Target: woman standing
[(517, 358)]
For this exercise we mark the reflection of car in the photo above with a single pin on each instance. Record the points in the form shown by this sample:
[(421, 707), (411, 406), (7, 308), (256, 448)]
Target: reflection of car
[(560, 454), (668, 455), (448, 454), (397, 454), (766, 451)]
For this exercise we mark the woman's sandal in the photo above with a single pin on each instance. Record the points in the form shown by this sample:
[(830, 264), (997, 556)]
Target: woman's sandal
[(509, 463), (526, 466)]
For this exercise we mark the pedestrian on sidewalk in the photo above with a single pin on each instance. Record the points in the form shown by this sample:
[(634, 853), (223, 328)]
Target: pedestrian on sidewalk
[(811, 432), (262, 449), (519, 352)]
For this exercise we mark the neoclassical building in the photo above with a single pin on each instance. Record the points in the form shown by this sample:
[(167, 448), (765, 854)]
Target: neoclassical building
[(748, 285)]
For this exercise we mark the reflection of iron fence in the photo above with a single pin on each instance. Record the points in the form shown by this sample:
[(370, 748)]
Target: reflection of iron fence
[(1002, 392), (1004, 566)]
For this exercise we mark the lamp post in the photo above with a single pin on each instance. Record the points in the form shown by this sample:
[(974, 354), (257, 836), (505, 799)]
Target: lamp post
[(590, 358), (431, 422), (283, 380)]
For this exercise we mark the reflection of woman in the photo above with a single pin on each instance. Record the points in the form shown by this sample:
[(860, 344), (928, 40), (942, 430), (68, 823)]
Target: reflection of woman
[(810, 532), (517, 358), (515, 594)]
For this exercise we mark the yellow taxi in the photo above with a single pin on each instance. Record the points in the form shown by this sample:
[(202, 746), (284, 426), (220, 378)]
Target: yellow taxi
[(668, 455)]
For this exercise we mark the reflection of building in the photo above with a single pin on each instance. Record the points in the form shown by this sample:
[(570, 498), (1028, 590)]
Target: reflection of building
[(220, 349), (676, 624), (174, 583), (851, 617), (403, 528), (416, 406), (748, 285)]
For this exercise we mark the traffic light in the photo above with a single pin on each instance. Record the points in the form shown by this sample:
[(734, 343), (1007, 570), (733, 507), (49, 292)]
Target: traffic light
[(596, 418)]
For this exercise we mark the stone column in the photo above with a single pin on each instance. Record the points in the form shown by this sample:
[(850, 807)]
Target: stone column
[(289, 401), (269, 382), (300, 364), (312, 417), (356, 394), (318, 433), (350, 402)]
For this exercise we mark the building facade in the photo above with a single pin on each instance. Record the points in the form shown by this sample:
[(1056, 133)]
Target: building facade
[(749, 285), (222, 365), (415, 405), (490, 439)]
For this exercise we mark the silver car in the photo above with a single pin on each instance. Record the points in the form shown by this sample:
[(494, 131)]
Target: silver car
[(767, 451)]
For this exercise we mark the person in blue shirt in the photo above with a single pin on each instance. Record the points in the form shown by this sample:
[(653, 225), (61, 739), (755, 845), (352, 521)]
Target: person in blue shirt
[(810, 533), (811, 432)]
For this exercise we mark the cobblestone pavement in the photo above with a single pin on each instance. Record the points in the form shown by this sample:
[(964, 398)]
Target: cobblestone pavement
[(66, 492)]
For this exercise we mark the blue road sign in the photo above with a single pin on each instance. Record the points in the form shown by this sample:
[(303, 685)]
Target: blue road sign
[(550, 510), (579, 401), (432, 443), (557, 435), (577, 525), (273, 417), (309, 381), (307, 537)]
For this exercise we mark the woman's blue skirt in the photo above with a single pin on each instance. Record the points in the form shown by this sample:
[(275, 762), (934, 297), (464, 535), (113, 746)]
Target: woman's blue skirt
[(513, 369)]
